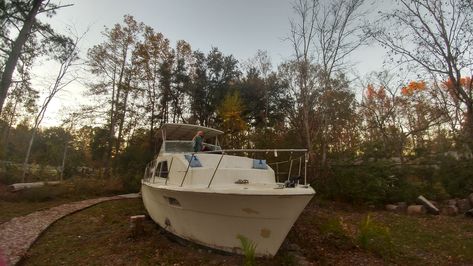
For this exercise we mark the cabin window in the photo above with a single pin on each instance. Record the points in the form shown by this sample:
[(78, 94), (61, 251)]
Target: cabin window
[(162, 169)]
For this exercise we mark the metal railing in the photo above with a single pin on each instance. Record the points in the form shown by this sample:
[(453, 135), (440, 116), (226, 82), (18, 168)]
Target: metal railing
[(301, 160)]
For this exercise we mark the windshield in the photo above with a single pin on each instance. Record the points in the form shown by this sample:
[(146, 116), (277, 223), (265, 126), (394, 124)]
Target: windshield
[(173, 146)]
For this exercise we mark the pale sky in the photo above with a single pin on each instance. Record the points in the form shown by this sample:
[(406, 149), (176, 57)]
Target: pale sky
[(238, 27)]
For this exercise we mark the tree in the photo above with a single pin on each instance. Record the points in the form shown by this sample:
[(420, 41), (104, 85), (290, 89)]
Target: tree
[(437, 37), (322, 36), (181, 80), (211, 78), (396, 117), (14, 14), (66, 54), (112, 62), (266, 98), (233, 124)]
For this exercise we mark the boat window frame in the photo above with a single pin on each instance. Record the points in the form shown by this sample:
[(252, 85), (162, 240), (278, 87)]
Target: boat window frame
[(160, 169)]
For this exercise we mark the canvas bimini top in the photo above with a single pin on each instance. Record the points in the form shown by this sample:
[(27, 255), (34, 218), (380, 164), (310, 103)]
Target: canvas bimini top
[(186, 131)]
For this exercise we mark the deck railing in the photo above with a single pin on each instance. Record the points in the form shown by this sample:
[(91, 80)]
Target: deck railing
[(150, 171)]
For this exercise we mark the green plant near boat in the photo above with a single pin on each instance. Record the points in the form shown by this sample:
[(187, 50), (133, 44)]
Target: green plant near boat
[(249, 250)]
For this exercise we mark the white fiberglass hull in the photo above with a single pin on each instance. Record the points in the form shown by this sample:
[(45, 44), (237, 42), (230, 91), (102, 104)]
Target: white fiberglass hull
[(217, 217)]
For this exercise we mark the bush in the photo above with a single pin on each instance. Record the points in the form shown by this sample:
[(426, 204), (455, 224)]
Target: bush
[(87, 187), (335, 232), (374, 237), (456, 176), (364, 183), (381, 182)]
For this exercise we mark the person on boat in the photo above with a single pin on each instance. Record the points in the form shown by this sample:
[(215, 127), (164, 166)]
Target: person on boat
[(198, 141)]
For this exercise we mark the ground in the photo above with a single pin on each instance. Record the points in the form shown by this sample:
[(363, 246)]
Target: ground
[(326, 233)]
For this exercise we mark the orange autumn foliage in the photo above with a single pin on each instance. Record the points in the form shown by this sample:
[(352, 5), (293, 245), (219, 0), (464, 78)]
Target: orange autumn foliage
[(465, 83), (371, 92), (412, 87)]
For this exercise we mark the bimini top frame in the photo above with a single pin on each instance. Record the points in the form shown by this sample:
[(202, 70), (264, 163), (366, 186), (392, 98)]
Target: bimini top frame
[(186, 131)]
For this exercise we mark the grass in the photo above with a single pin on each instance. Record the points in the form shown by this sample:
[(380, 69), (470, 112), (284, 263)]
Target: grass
[(327, 233), (444, 239), (13, 204), (375, 237), (249, 249), (100, 236)]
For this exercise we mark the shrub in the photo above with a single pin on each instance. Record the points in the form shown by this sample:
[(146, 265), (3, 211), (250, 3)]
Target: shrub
[(86, 187), (374, 237), (456, 176), (335, 231), (382, 181), (364, 183)]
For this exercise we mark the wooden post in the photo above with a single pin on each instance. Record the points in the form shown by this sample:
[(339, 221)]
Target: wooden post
[(136, 225)]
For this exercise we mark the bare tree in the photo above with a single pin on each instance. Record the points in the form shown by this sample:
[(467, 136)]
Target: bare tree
[(323, 35), (437, 36), (67, 55), (302, 37)]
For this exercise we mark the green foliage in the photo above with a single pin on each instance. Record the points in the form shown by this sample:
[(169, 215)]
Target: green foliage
[(364, 183), (374, 237), (233, 123), (382, 181), (249, 249), (335, 231), (456, 176)]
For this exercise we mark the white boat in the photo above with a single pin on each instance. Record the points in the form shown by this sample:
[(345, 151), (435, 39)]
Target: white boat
[(214, 198)]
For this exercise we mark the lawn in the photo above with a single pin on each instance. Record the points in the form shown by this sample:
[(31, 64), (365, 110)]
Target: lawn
[(13, 204), (326, 233)]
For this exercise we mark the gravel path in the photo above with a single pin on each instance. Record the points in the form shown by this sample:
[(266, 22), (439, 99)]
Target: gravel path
[(18, 234)]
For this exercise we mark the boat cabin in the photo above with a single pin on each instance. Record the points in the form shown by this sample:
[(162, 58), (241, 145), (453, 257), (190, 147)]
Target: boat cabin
[(177, 138)]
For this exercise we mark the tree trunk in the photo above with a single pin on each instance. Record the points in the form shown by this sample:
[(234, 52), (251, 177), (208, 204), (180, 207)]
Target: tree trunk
[(64, 159), (111, 132), (27, 157), (14, 55), (469, 126), (6, 135), (120, 126)]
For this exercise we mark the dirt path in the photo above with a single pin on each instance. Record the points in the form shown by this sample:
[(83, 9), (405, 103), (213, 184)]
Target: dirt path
[(18, 234)]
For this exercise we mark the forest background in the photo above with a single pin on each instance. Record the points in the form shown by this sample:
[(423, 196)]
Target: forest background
[(386, 137)]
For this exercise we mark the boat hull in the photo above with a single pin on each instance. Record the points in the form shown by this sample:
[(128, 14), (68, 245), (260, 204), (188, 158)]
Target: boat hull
[(217, 219)]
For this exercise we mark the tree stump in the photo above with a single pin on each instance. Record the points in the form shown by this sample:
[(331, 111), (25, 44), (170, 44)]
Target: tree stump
[(449, 210), (391, 207), (463, 205), (416, 210), (136, 225)]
